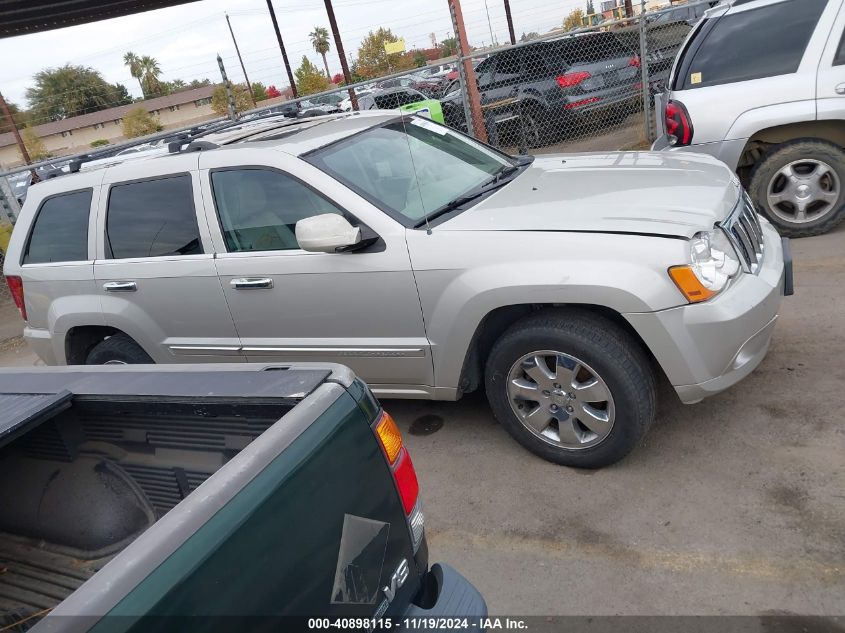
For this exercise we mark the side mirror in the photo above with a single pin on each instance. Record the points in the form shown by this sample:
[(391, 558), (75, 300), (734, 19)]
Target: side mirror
[(327, 233)]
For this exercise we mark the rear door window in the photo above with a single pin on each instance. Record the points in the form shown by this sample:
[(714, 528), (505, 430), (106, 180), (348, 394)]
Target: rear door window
[(152, 218), (752, 44), (839, 60), (60, 232)]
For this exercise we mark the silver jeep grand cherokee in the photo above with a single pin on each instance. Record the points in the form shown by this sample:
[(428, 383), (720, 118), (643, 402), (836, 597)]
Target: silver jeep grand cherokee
[(431, 264)]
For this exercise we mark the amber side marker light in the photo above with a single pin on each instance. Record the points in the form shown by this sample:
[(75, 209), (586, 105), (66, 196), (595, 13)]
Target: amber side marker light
[(389, 436), (689, 285)]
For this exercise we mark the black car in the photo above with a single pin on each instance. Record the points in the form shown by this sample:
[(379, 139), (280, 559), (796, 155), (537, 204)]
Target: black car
[(535, 92)]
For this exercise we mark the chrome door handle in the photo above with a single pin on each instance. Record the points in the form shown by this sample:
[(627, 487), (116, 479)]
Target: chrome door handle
[(120, 286), (840, 89), (246, 283)]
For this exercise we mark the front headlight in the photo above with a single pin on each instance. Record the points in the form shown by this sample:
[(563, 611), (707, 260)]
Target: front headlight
[(713, 263)]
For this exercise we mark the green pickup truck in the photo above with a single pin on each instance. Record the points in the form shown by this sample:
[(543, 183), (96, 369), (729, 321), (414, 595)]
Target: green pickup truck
[(211, 497)]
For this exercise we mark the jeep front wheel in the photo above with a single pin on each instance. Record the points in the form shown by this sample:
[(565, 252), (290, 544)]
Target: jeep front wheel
[(572, 387)]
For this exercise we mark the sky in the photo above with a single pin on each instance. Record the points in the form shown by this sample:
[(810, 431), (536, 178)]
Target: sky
[(186, 39)]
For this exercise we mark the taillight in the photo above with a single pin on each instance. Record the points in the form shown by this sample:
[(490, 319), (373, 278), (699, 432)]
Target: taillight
[(635, 61), (404, 474), (570, 80), (16, 289), (678, 124), (406, 481)]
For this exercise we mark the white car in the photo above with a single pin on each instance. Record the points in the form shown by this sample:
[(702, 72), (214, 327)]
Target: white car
[(760, 84)]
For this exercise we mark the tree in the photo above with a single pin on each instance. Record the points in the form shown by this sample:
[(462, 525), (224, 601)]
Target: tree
[(34, 146), (150, 73), (131, 60), (22, 118), (373, 61), (220, 101), (309, 78), (337, 79), (449, 47), (198, 83), (259, 91), (272, 92), (139, 122), (533, 35), (69, 91), (320, 41), (574, 20), (419, 59)]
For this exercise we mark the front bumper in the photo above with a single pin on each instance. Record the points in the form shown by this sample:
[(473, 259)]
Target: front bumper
[(708, 347), (449, 596)]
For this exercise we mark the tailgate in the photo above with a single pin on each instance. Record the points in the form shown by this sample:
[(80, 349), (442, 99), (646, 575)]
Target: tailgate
[(305, 521)]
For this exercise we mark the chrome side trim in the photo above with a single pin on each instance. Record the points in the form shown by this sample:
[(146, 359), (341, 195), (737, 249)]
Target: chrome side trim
[(369, 352), (189, 350)]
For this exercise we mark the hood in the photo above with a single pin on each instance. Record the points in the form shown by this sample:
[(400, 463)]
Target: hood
[(676, 195)]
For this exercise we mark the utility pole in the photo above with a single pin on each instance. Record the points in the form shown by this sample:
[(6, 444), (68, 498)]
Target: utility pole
[(629, 9), (338, 44), (229, 96), (18, 139), (472, 100), (510, 21), (240, 59), (282, 48), (489, 24)]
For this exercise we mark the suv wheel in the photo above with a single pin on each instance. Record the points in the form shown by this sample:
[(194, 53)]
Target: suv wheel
[(571, 387), (800, 187), (118, 350)]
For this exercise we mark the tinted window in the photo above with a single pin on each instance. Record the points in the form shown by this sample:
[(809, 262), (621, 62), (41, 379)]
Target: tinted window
[(509, 63), (840, 53), (60, 233), (763, 42), (259, 208), (587, 49), (152, 218)]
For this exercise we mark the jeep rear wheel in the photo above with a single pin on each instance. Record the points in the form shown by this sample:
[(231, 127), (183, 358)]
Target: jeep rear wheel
[(118, 350), (800, 187), (572, 387)]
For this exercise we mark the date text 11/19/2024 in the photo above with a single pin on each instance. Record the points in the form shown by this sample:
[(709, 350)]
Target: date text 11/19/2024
[(418, 623)]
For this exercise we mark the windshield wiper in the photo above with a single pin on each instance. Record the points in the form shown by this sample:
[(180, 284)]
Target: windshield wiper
[(502, 177)]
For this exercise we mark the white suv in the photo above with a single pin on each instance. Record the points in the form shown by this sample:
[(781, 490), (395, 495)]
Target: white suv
[(760, 84)]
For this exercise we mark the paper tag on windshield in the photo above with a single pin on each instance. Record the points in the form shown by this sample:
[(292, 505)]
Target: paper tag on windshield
[(428, 124), (695, 78)]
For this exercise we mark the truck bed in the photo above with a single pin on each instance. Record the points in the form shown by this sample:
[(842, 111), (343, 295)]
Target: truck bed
[(87, 469)]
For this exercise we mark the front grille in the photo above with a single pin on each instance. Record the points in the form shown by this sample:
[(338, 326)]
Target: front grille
[(746, 234)]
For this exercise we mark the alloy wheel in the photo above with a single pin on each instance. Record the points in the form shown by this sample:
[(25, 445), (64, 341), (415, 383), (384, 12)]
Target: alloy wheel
[(803, 191), (561, 399)]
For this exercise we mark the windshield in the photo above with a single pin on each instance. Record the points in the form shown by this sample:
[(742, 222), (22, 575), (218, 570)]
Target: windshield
[(410, 169)]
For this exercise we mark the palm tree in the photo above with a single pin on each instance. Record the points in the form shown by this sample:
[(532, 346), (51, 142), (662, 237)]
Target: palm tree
[(150, 73), (320, 41), (134, 62)]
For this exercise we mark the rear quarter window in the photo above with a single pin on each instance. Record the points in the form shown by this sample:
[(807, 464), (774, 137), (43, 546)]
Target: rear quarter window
[(753, 44), (152, 218), (60, 230)]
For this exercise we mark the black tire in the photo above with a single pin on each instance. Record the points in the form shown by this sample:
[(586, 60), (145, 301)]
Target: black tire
[(605, 347), (534, 127), (118, 349), (779, 157)]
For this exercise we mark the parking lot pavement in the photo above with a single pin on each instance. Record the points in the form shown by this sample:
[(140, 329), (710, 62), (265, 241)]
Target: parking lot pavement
[(732, 506)]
